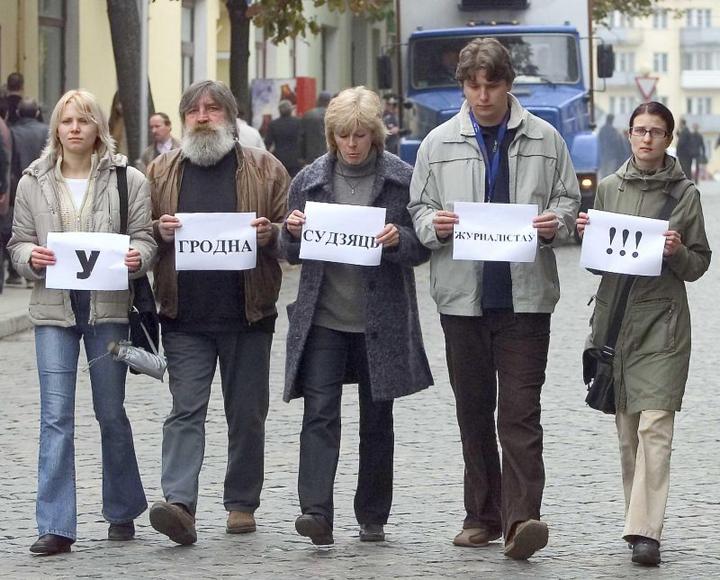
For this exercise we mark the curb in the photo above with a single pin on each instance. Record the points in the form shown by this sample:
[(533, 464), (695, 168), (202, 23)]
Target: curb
[(13, 324)]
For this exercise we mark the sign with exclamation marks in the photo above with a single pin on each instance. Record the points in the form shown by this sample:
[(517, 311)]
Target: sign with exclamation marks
[(623, 244)]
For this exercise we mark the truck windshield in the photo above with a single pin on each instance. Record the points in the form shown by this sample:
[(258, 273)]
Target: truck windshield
[(537, 58)]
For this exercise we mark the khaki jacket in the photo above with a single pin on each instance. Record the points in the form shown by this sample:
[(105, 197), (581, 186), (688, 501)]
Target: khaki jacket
[(261, 185), (653, 347), (450, 168), (37, 213)]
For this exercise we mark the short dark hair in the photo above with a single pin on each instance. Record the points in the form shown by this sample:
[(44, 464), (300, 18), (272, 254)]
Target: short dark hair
[(15, 82), (163, 116), (654, 108), (27, 108), (485, 54)]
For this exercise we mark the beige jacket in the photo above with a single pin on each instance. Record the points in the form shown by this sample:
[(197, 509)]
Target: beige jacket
[(450, 168), (37, 213)]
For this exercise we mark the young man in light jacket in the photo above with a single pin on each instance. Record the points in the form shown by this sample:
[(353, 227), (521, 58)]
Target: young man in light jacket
[(496, 315)]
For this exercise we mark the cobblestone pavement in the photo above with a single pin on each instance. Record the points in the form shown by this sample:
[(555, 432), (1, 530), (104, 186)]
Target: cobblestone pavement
[(583, 500)]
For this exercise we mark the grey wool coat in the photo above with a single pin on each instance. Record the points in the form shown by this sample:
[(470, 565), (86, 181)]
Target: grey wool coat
[(396, 356)]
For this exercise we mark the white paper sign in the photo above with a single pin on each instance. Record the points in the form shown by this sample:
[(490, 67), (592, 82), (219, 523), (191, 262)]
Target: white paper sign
[(342, 233), (87, 261), (495, 232), (624, 244), (215, 241)]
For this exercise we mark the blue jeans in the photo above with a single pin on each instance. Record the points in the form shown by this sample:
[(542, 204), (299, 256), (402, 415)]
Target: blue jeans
[(57, 351)]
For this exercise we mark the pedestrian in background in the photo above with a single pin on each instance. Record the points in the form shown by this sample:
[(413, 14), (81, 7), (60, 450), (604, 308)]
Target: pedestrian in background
[(496, 315), (215, 316), (163, 140), (699, 154), (283, 138), (654, 339), (392, 124), (684, 149), (353, 323), (612, 147), (15, 88), (5, 160), (73, 188), (312, 130)]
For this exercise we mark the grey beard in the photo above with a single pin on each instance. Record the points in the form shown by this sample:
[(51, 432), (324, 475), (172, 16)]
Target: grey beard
[(207, 147)]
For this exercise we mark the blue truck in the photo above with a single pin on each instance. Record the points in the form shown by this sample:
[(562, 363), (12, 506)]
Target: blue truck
[(549, 42)]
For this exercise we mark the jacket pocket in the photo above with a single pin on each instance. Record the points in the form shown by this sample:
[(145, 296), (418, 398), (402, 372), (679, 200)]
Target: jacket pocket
[(652, 326)]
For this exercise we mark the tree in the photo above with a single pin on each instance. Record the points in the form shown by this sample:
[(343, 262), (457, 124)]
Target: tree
[(124, 18), (635, 8), (280, 20)]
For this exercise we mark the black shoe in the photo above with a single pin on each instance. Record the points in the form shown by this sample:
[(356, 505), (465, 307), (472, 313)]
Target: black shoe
[(646, 551), (372, 533), (121, 532), (49, 544), (316, 528)]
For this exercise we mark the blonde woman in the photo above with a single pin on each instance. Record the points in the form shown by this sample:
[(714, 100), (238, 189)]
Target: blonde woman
[(73, 188), (353, 324)]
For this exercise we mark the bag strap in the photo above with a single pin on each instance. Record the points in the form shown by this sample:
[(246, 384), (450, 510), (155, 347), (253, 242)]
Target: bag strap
[(673, 197), (122, 186)]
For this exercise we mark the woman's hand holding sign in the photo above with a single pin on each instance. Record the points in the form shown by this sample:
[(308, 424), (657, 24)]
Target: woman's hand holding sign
[(389, 237), (167, 224), (673, 241), (133, 260), (294, 223), (41, 257), (581, 223)]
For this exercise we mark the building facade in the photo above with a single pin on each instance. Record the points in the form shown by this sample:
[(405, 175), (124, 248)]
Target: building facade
[(677, 50)]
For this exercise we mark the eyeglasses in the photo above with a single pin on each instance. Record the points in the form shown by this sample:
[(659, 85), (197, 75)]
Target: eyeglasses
[(655, 133)]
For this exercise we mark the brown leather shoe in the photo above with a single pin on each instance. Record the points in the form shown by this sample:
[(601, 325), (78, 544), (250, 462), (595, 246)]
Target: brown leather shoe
[(174, 521), (475, 537), (240, 523), (529, 537)]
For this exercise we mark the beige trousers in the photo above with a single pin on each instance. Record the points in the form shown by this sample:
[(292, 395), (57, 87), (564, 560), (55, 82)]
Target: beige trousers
[(645, 448)]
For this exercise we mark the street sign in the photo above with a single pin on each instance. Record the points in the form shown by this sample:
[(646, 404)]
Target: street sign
[(646, 85)]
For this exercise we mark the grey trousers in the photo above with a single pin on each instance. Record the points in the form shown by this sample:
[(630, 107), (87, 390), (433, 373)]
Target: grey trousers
[(244, 371)]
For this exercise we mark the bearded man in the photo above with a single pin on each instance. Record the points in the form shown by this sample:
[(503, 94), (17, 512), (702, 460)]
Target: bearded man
[(215, 316)]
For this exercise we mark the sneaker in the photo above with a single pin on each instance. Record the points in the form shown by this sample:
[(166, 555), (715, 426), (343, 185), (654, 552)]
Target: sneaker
[(529, 537), (646, 551), (475, 537), (175, 521), (372, 533), (240, 523), (121, 532), (315, 527)]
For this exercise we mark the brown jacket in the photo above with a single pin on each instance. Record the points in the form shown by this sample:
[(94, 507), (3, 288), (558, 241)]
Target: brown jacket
[(262, 184)]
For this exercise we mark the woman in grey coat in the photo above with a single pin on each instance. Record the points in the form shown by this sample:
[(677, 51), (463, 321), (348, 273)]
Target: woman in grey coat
[(73, 188), (353, 324)]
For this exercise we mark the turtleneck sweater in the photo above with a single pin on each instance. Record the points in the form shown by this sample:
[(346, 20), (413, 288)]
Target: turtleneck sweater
[(341, 305)]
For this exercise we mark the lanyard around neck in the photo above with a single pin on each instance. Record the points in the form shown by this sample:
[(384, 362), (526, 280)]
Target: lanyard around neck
[(491, 163)]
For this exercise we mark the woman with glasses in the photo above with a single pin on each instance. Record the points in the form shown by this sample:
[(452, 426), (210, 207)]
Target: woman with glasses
[(652, 352)]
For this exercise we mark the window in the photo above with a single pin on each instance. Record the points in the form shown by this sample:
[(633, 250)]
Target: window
[(619, 20), (660, 62), (699, 105), (698, 18), (660, 19), (625, 62), (700, 60), (623, 105), (187, 37), (51, 51)]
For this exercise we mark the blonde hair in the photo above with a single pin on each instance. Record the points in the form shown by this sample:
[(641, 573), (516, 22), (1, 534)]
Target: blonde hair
[(351, 109), (87, 106)]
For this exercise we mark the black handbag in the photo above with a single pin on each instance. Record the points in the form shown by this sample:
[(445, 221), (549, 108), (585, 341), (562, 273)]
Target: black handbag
[(143, 316), (598, 361)]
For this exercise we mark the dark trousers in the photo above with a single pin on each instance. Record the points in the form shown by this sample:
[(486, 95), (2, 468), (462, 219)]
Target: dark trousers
[(244, 372), (498, 360), (322, 372)]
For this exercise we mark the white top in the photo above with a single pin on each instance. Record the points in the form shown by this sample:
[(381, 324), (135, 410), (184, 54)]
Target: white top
[(77, 188), (249, 136)]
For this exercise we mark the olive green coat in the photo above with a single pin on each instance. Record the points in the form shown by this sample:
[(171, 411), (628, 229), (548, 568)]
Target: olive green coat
[(653, 347)]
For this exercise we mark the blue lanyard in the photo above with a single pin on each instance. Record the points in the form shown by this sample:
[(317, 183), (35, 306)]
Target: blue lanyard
[(492, 164)]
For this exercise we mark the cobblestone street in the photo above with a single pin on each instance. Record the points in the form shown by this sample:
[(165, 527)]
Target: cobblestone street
[(583, 502)]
